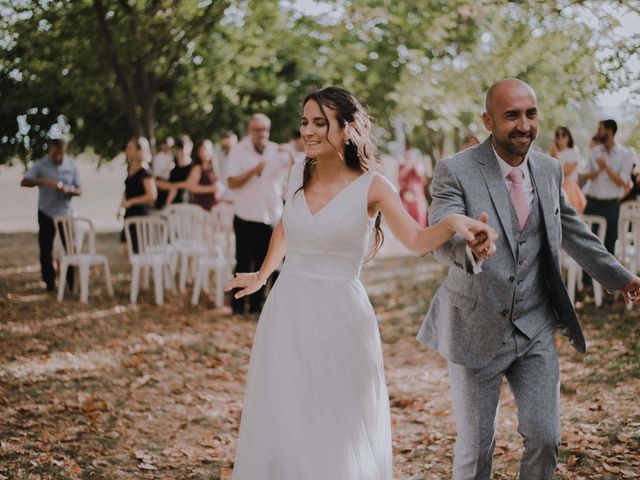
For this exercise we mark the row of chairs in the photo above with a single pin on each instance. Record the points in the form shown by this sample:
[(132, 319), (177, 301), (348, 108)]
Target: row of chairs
[(627, 248), (183, 240), (574, 271), (187, 241)]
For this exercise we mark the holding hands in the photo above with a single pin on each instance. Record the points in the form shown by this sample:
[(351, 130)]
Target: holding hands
[(631, 291), (479, 235)]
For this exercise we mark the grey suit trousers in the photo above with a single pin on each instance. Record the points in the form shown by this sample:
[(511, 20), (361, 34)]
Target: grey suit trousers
[(532, 370)]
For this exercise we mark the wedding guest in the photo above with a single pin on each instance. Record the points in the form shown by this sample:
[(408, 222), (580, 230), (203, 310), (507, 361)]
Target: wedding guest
[(257, 172), (163, 161), (228, 140), (175, 189), (609, 171), (204, 179), (412, 181), (139, 187), (565, 151), (632, 191), (58, 181), (296, 146), (469, 141)]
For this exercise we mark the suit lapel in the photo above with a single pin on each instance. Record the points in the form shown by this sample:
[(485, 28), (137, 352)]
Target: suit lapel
[(547, 205), (497, 190)]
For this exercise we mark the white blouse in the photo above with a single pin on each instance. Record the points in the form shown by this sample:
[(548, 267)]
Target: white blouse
[(568, 156)]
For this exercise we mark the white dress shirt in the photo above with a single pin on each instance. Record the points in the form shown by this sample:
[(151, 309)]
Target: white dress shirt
[(223, 168), (620, 159), (259, 199), (568, 156), (162, 164)]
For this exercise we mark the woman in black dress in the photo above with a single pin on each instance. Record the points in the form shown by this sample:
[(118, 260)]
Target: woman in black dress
[(175, 190), (139, 188)]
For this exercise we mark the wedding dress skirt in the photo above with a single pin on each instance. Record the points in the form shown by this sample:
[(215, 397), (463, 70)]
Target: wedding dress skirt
[(316, 403)]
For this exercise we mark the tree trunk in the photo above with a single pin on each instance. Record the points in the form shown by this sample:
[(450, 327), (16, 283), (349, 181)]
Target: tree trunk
[(148, 119), (129, 98)]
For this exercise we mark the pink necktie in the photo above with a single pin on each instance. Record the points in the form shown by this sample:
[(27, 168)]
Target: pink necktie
[(518, 197)]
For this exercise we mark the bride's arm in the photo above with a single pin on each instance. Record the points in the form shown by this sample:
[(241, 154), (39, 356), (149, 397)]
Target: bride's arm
[(249, 283), (421, 241)]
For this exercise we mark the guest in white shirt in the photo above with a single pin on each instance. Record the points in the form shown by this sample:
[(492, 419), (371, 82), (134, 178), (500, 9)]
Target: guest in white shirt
[(163, 161), (609, 171), (296, 146), (565, 151), (228, 140), (257, 169)]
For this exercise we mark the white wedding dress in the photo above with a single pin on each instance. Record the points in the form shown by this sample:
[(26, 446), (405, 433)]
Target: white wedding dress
[(316, 405)]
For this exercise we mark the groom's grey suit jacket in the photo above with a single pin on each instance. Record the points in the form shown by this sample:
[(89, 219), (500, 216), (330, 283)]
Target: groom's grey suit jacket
[(470, 313)]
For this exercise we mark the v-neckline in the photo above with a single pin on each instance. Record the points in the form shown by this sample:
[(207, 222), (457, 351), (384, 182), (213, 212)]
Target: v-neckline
[(313, 215)]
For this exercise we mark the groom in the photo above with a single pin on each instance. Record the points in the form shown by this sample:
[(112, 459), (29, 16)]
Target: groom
[(497, 319)]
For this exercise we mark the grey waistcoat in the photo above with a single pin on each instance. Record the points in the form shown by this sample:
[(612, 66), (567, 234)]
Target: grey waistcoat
[(530, 311)]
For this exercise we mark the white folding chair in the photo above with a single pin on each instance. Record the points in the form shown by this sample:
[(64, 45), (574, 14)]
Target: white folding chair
[(223, 214), (214, 259), (71, 231), (630, 208), (147, 242), (80, 229), (574, 271), (185, 224), (628, 244)]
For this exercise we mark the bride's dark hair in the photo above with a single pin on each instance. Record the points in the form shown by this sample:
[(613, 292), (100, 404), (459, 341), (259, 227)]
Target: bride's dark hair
[(360, 151)]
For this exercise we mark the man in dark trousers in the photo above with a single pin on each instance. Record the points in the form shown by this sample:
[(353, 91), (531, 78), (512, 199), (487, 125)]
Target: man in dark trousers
[(257, 170), (609, 172), (58, 181)]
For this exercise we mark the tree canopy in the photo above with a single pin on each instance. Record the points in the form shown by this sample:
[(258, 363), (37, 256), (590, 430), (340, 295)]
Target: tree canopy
[(102, 71)]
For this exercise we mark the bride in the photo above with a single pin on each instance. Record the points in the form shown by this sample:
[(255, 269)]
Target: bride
[(316, 404)]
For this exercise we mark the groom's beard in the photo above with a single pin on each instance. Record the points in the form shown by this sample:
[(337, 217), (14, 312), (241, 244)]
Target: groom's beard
[(518, 143)]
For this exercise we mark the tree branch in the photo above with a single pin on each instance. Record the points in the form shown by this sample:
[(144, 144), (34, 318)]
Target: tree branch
[(125, 6), (121, 76), (195, 27)]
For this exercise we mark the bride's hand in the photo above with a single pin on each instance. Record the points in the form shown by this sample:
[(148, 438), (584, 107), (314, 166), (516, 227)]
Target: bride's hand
[(477, 232), (248, 283)]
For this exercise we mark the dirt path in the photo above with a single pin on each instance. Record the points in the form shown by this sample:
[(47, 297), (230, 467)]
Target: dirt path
[(114, 391)]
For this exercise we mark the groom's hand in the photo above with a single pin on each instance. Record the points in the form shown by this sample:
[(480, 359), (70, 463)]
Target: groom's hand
[(631, 291), (483, 246)]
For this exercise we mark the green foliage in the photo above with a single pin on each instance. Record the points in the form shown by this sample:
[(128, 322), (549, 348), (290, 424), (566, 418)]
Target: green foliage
[(104, 70)]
